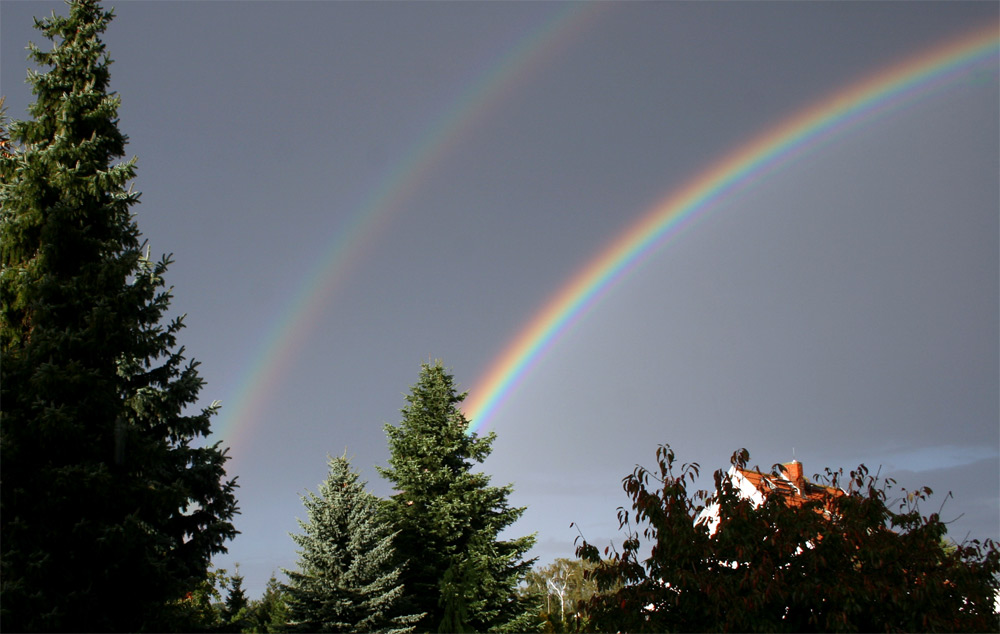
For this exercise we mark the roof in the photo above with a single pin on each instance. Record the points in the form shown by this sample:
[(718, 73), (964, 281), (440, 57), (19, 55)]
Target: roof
[(789, 483)]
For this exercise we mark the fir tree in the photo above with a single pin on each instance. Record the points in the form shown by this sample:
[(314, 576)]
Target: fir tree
[(457, 570), (346, 579), (270, 612), (110, 511), (236, 610)]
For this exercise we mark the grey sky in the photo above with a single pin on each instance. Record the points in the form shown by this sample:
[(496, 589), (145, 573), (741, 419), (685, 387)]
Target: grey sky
[(845, 309)]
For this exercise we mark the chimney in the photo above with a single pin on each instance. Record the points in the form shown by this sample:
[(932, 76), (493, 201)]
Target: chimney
[(793, 471)]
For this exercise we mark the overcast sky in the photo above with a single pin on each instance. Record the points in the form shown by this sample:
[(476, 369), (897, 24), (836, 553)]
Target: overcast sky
[(468, 158)]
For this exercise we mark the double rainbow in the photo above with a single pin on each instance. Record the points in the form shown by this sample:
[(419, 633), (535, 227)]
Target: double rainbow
[(302, 316), (881, 92)]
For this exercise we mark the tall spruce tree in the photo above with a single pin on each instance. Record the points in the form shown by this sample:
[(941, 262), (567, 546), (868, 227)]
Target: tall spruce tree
[(346, 580), (456, 569), (110, 510), (236, 610)]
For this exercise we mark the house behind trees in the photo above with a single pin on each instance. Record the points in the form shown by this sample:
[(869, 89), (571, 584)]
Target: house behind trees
[(788, 482)]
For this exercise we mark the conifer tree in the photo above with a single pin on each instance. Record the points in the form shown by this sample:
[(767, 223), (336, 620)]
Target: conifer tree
[(111, 505), (270, 612), (456, 569), (236, 610), (346, 579)]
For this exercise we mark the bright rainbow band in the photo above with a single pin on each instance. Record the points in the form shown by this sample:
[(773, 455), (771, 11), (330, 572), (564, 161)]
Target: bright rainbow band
[(859, 102)]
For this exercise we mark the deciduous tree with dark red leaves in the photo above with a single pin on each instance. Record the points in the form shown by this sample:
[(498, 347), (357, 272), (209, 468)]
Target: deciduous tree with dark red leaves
[(871, 562)]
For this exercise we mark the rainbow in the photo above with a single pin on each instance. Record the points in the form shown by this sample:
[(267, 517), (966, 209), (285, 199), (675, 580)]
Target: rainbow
[(301, 317), (878, 94)]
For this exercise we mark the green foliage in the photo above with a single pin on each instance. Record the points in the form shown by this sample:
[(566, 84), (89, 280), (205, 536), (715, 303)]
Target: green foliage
[(457, 570), (778, 567), (235, 612), (202, 609), (6, 150), (270, 612), (205, 610), (346, 579), (561, 591), (105, 494)]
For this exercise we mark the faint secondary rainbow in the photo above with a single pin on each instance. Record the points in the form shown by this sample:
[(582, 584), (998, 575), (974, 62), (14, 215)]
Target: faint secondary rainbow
[(300, 318), (878, 93)]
